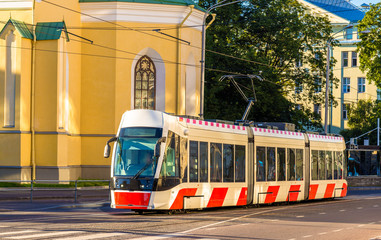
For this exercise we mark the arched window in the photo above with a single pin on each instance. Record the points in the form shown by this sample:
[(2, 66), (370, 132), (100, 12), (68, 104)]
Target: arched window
[(145, 84)]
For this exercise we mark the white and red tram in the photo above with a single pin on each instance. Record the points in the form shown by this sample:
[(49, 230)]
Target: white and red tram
[(164, 162)]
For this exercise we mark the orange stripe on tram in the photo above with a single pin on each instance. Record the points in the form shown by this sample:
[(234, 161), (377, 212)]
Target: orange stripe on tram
[(313, 191), (293, 193), (272, 194), (344, 191), (329, 190), (217, 198), (179, 201), (242, 200)]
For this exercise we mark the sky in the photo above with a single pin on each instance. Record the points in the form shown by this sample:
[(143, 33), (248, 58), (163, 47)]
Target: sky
[(359, 2)]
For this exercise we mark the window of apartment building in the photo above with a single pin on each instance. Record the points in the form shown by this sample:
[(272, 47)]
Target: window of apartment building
[(345, 111), (346, 85), (378, 94), (317, 109), (361, 84), (348, 33), (344, 59), (299, 62), (298, 87), (354, 59), (317, 84)]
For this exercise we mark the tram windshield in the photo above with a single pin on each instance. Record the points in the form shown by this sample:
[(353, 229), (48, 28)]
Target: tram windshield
[(134, 152)]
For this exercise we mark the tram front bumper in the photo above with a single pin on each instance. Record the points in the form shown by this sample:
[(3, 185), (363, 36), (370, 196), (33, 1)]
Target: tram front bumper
[(130, 200)]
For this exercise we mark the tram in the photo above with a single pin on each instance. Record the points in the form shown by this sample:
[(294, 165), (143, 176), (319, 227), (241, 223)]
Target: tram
[(165, 162)]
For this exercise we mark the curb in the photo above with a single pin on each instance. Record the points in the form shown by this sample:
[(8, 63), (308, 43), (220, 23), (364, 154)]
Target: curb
[(81, 205), (363, 188)]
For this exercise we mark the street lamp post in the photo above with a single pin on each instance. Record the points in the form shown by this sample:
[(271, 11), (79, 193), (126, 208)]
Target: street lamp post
[(202, 82), (327, 76)]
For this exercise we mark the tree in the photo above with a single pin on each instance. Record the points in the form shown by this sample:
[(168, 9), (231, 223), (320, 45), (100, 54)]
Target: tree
[(369, 47), (272, 36), (362, 118)]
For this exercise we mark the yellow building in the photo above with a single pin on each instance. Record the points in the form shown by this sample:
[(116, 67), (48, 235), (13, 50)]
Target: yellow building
[(69, 69), (353, 85)]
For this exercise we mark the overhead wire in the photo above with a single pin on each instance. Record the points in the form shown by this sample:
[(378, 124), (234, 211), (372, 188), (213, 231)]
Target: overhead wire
[(143, 32)]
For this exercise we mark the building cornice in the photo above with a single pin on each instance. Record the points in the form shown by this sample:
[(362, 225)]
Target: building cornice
[(140, 12)]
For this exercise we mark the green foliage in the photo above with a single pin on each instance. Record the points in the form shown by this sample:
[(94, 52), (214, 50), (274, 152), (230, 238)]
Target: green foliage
[(272, 35), (362, 117), (370, 45)]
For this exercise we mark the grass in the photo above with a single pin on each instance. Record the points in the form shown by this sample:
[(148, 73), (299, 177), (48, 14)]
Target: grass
[(55, 185)]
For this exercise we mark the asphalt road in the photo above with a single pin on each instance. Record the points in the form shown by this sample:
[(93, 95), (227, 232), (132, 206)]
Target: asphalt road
[(357, 216)]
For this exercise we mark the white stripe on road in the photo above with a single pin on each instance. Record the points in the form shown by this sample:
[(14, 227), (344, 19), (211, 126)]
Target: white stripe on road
[(18, 232), (45, 234), (181, 234), (92, 236)]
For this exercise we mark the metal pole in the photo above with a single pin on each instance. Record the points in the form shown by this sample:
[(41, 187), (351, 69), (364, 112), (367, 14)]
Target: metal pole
[(327, 89), (202, 61), (75, 197), (202, 68), (31, 190), (378, 131)]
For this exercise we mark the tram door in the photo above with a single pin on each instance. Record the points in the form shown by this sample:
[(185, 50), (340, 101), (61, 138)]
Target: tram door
[(250, 166), (307, 166)]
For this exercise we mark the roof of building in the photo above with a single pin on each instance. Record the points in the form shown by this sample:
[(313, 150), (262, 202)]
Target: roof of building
[(341, 8), (21, 27), (50, 30), (165, 2)]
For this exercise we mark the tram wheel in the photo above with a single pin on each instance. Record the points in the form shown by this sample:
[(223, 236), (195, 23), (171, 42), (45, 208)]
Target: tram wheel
[(170, 212)]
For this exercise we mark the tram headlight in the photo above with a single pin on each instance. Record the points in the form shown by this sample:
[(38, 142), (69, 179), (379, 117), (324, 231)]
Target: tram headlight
[(142, 186)]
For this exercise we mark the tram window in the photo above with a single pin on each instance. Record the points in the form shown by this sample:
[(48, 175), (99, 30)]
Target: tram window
[(329, 164), (240, 163), (183, 155), (270, 164), (340, 165), (314, 165), (322, 165), (299, 164), (203, 162), (215, 162), (281, 163), (228, 163), (170, 163), (291, 164), (335, 165), (261, 163), (193, 161)]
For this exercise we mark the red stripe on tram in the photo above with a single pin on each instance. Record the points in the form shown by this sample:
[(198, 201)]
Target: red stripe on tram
[(293, 193), (132, 200), (313, 191), (344, 191), (329, 190), (179, 201), (242, 200), (272, 193), (217, 198)]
